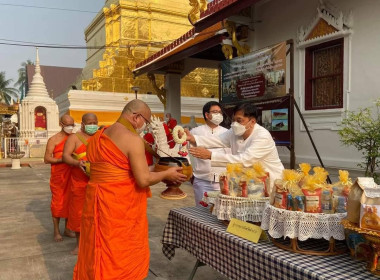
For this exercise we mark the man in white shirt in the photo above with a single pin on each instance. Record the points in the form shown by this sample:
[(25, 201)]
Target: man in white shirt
[(249, 143), (206, 178)]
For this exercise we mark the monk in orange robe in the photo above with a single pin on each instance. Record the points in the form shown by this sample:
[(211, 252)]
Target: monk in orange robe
[(74, 154), (60, 174), (114, 230)]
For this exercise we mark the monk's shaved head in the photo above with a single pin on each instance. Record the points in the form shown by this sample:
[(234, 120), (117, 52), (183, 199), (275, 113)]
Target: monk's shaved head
[(138, 107), (135, 106), (89, 116), (66, 119)]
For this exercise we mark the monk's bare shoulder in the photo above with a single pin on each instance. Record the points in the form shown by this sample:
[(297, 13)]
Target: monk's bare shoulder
[(131, 139), (72, 138), (56, 138), (124, 139)]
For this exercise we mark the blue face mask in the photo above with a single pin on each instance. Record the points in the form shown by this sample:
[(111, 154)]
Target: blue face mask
[(91, 129)]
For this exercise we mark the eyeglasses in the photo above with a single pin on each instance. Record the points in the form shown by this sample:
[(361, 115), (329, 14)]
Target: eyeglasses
[(146, 121), (70, 124), (215, 112)]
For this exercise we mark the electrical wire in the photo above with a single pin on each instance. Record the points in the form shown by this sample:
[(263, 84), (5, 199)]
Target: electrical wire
[(19, 43), (47, 8)]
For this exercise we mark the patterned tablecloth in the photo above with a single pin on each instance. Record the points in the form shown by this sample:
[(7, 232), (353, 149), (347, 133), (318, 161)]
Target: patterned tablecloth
[(204, 236)]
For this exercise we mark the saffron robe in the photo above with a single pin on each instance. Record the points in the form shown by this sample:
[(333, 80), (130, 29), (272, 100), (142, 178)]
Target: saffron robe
[(114, 230), (59, 184), (77, 183)]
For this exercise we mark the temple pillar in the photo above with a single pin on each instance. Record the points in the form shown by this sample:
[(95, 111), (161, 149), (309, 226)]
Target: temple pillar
[(173, 95)]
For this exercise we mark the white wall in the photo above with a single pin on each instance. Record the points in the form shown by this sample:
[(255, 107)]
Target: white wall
[(280, 21)]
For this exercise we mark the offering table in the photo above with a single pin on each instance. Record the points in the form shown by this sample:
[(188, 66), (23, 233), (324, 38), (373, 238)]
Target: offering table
[(200, 233)]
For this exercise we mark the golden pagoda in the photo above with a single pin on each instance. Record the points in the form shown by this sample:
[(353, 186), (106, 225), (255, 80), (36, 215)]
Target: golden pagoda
[(131, 31)]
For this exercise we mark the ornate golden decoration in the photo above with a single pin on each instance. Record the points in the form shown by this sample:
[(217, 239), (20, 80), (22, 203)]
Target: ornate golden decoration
[(203, 5), (193, 15), (134, 30), (197, 7), (228, 51), (322, 28), (231, 29), (160, 91)]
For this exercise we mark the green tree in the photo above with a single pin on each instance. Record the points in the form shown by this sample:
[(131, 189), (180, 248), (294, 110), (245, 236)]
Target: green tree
[(362, 130), (7, 93), (21, 82)]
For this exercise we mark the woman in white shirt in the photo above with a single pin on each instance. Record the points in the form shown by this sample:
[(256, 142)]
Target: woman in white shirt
[(249, 143)]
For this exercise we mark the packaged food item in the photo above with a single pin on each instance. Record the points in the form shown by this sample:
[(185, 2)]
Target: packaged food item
[(234, 172), (290, 180), (327, 202), (280, 199), (370, 208), (340, 204), (289, 201), (313, 200), (354, 198), (300, 203), (370, 217), (243, 188), (255, 189), (344, 184), (233, 185), (276, 186), (261, 174), (223, 183), (337, 190)]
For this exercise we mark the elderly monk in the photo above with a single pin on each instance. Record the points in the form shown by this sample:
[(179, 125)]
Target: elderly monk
[(74, 154), (60, 174), (114, 230)]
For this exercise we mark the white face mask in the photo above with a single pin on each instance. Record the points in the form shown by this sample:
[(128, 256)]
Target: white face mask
[(68, 129), (141, 129), (216, 118), (238, 128)]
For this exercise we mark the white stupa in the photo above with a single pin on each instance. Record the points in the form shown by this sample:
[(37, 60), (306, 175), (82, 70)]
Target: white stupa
[(38, 113)]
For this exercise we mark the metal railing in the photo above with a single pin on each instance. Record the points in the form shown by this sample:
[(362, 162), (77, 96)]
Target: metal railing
[(14, 144)]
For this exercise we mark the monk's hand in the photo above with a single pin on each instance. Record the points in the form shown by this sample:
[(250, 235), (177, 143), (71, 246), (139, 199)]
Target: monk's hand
[(174, 175), (200, 152), (82, 165)]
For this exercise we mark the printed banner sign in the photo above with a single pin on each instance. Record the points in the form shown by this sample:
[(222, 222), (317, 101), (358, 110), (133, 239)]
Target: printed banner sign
[(255, 76), (274, 115)]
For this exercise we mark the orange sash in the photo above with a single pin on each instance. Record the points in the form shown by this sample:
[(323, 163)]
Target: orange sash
[(78, 183), (114, 230), (59, 179)]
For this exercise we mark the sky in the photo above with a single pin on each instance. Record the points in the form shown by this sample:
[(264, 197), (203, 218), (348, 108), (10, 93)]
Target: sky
[(44, 26)]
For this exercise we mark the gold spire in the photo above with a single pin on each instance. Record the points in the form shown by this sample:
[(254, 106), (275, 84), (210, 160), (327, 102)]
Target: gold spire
[(134, 30)]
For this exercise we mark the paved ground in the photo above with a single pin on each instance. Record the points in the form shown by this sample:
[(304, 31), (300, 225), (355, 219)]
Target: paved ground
[(27, 248)]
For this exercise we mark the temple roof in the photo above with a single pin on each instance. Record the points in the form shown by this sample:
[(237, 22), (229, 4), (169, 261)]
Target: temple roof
[(202, 41), (57, 79), (218, 10), (189, 44)]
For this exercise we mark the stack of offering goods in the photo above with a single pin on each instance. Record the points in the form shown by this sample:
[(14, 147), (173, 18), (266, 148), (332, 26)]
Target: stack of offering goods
[(243, 193), (304, 206), (364, 204), (301, 191), (244, 182), (363, 218)]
